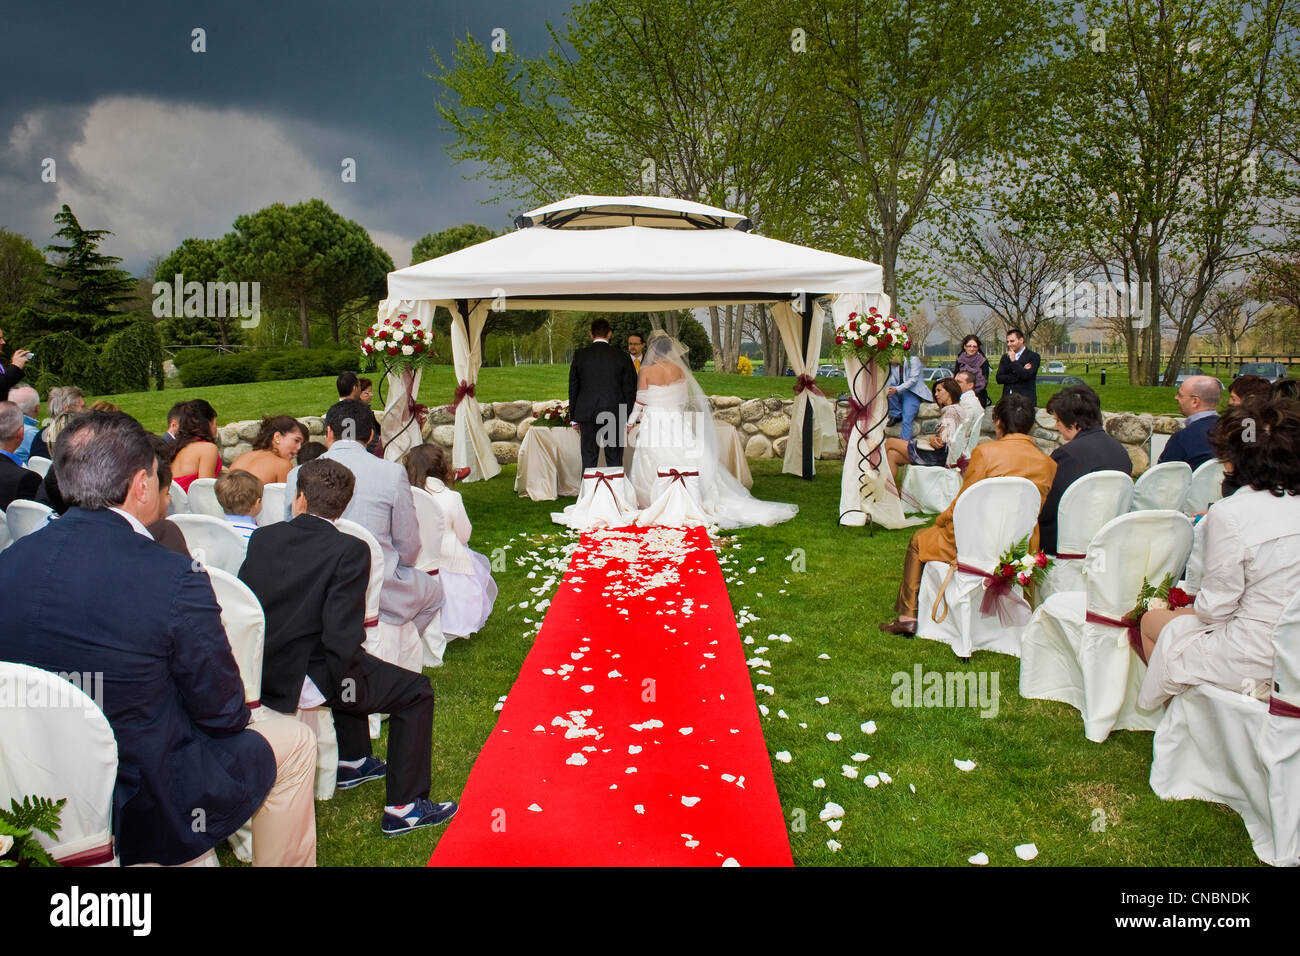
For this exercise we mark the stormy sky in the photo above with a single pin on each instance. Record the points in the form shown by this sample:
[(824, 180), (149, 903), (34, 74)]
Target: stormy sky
[(157, 142)]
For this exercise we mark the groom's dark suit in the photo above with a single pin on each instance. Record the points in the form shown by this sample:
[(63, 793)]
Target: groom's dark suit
[(602, 388), (311, 581)]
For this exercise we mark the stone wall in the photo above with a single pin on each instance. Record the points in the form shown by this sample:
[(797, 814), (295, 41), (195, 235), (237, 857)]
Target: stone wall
[(763, 423)]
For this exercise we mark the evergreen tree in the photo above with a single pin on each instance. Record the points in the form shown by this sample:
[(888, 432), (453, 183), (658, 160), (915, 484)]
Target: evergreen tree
[(85, 289)]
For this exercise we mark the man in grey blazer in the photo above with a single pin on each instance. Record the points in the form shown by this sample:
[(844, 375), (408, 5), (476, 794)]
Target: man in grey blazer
[(382, 504)]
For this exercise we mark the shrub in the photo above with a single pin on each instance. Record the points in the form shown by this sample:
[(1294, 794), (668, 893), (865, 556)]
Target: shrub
[(744, 366), (190, 355), (308, 363), (130, 358), (63, 359), (222, 370), (692, 335)]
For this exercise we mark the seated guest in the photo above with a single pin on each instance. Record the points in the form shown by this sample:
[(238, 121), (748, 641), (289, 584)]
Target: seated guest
[(196, 454), (240, 495), (1087, 448), (907, 391), (1197, 398), (947, 394), (65, 401), (348, 385), (1014, 453), (165, 532), (1249, 388), (971, 405), (382, 504), (366, 392), (467, 586), (1251, 565), (273, 449), (103, 406), (311, 581), (1287, 388), (28, 401), (96, 593), (15, 480), (173, 422), (310, 452)]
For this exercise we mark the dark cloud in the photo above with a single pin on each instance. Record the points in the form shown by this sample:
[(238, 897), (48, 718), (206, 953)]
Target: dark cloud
[(338, 79)]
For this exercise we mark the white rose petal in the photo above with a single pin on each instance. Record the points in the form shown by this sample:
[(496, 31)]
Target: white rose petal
[(1026, 851), (730, 861), (869, 727), (690, 801), (819, 783), (823, 701), (576, 760), (408, 350), (833, 845), (783, 756), (6, 843), (835, 825), (965, 766), (639, 808), (860, 757), (834, 737), (979, 859), (850, 772), (885, 778), (535, 808), (872, 781), (832, 811)]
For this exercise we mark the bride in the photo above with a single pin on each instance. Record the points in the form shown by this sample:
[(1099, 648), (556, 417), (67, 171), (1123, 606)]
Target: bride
[(675, 432)]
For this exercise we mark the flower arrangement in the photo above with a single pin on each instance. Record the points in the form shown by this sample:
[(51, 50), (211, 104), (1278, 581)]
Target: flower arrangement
[(1154, 597), (1028, 568), (18, 826), (744, 366), (403, 342), (873, 337), (555, 415)]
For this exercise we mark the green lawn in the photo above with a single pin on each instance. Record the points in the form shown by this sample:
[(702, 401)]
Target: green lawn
[(311, 396), (1037, 779)]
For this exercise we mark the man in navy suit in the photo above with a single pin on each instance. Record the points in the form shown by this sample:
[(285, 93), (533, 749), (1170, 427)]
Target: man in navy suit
[(15, 480), (602, 389), (1198, 400), (93, 592), (1018, 368)]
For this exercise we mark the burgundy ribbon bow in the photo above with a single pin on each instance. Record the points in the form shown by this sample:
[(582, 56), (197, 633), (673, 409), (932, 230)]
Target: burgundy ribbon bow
[(678, 475), (807, 382), (416, 410), (1012, 609), (859, 417), (1280, 708), (463, 390), (1134, 629), (603, 479)]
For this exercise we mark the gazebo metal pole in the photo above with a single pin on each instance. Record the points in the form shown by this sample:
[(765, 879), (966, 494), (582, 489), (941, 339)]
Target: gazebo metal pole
[(807, 312)]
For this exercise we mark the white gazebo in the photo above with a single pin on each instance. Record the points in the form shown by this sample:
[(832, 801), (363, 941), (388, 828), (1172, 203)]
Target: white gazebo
[(632, 254)]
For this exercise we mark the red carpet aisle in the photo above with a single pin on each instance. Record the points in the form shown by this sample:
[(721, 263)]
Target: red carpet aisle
[(631, 736)]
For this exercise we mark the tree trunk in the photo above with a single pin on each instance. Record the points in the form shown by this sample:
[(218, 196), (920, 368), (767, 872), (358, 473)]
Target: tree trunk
[(303, 327), (334, 325), (715, 331)]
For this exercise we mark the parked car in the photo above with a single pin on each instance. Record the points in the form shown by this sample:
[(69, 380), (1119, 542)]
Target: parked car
[(1060, 380), (831, 370), (1273, 371), (935, 374), (1184, 373), (1055, 368)]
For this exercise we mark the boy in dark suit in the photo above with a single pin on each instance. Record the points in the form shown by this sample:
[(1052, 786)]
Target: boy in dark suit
[(1018, 368), (602, 389), (311, 581)]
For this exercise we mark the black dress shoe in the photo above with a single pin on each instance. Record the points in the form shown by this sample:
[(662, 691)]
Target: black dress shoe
[(901, 628), (893, 421)]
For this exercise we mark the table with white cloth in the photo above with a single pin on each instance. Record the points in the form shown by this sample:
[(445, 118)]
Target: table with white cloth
[(550, 460)]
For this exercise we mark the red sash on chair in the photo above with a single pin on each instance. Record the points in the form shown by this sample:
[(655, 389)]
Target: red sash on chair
[(678, 475), (999, 598), (1134, 630)]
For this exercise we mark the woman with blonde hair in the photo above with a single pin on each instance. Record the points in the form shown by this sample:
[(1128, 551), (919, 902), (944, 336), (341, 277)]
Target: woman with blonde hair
[(467, 586)]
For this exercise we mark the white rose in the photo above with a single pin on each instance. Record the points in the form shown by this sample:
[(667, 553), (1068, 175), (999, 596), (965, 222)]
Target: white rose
[(1157, 604), (370, 341), (399, 335), (408, 349), (6, 844), (872, 340), (1027, 561)]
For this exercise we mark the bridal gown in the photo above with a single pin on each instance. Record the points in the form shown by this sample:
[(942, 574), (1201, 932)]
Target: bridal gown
[(670, 437)]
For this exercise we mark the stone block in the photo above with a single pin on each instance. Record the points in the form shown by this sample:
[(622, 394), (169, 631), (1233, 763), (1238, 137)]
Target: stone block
[(1047, 435), (774, 404), (522, 429), (752, 410), (748, 428), (778, 446), (1167, 424), (513, 411), (506, 452), (927, 410), (248, 430), (1127, 428), (444, 435), (228, 434), (774, 426), (758, 447), (730, 415), (1141, 460), (440, 415), (234, 451), (725, 401), (499, 430)]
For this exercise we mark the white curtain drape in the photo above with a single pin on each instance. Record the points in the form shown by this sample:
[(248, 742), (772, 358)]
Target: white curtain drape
[(472, 448), (803, 361), (866, 489)]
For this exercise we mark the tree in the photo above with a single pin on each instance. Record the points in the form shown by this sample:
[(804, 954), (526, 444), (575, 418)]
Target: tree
[(203, 261), (625, 105), (21, 269), (1232, 313), (1152, 155), (908, 100), (299, 254), (84, 289), (501, 322), (955, 326), (358, 285)]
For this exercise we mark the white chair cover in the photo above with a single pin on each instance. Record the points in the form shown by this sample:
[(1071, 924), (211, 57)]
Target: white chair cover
[(931, 488), (604, 501), (203, 498), (6, 538), (212, 541), (24, 517), (1225, 747), (676, 501), (1162, 487), (62, 746), (39, 465), (321, 722), (245, 625), (1087, 505), (1205, 489), (1090, 665), (272, 504), (180, 501), (989, 518), (1191, 582), (432, 527)]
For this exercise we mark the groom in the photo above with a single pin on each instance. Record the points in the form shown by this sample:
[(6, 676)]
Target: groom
[(602, 389)]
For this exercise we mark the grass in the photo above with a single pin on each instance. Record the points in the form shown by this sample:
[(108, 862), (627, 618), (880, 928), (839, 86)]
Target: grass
[(311, 396), (1037, 778)]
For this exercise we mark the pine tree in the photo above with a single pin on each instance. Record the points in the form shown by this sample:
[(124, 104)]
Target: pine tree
[(85, 290)]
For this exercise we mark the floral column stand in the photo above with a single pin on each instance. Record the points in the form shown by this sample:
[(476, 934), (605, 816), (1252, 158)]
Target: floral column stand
[(404, 347)]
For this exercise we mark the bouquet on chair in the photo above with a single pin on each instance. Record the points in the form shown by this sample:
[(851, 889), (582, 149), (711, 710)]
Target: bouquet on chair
[(1018, 565), (1157, 597), (1028, 568), (555, 415)]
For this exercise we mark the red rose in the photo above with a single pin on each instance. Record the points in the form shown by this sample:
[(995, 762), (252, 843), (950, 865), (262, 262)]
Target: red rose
[(1007, 570), (1041, 559), (902, 328), (887, 339), (415, 323), (392, 350), (872, 310), (839, 340), (401, 316), (1179, 598)]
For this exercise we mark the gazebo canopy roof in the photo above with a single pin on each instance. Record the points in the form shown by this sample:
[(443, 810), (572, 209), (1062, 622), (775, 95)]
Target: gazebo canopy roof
[(678, 254)]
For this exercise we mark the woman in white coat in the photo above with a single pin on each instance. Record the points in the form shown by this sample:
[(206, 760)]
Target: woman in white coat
[(1251, 563), (467, 586)]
